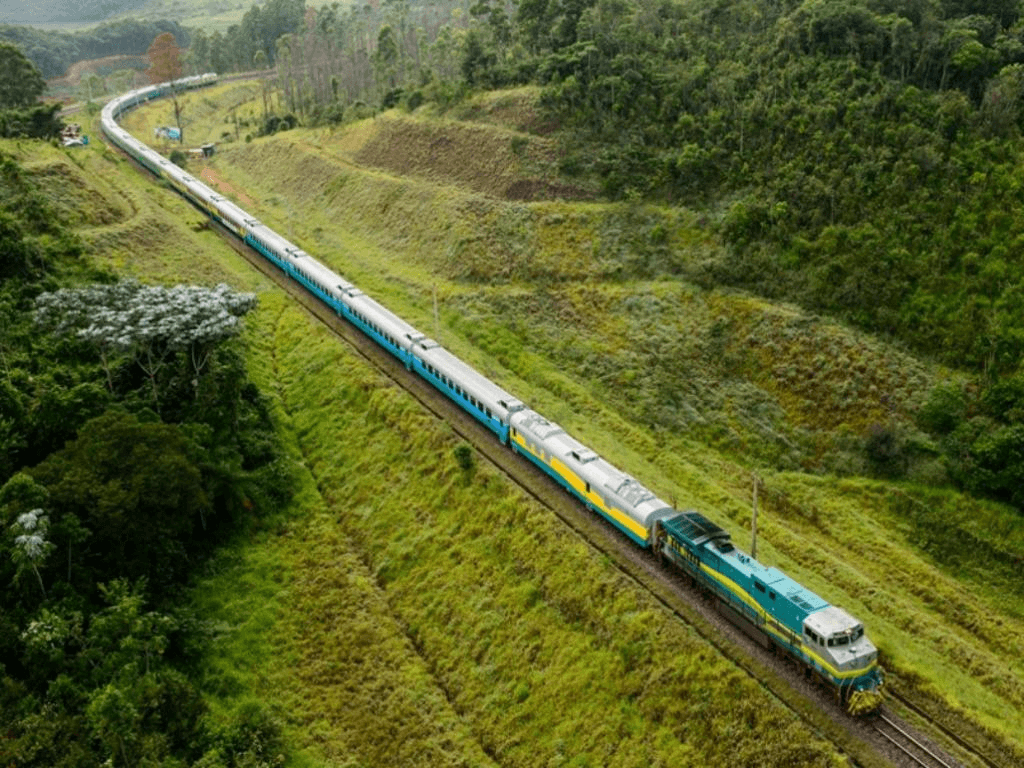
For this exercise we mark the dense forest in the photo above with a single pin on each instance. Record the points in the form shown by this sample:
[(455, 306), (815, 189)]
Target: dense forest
[(132, 444)]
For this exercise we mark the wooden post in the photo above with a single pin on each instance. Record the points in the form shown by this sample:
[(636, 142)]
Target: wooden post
[(437, 322), (753, 523)]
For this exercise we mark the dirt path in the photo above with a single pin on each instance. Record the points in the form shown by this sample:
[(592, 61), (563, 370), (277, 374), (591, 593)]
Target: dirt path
[(213, 179)]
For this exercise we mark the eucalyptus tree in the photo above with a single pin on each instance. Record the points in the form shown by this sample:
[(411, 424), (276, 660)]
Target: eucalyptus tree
[(165, 67)]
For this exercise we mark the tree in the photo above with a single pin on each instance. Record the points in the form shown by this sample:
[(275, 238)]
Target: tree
[(199, 53), (150, 323), (21, 83), (30, 544), (386, 58), (136, 486), (164, 59), (165, 67)]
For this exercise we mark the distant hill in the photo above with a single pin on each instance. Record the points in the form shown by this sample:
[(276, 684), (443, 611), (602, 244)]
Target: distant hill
[(52, 11), (55, 52)]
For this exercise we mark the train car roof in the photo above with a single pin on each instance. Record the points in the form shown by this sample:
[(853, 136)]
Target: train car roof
[(831, 620), (464, 374), (695, 528)]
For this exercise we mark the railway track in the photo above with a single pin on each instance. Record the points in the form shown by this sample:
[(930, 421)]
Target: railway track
[(964, 744), (918, 752)]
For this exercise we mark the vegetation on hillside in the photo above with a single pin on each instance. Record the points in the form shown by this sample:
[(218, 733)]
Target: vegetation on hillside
[(859, 160), (21, 85), (49, 11), (132, 445), (54, 52)]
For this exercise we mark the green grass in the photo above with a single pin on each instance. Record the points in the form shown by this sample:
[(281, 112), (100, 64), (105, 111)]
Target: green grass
[(726, 385)]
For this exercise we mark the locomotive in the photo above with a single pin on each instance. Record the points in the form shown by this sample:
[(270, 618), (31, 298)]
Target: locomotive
[(826, 640)]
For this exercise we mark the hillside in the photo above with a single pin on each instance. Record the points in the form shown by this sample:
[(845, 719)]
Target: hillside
[(57, 11), (591, 313)]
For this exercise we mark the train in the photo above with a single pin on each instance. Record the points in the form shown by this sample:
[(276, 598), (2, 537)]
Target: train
[(825, 640)]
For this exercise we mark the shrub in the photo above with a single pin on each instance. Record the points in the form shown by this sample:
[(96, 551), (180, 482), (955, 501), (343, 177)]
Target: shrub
[(464, 457), (886, 452), (944, 409)]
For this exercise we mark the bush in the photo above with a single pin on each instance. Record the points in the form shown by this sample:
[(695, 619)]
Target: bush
[(464, 457), (886, 451), (944, 409)]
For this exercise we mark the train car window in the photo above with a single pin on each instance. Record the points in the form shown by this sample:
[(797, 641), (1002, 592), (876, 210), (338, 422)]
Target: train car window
[(771, 595), (759, 587)]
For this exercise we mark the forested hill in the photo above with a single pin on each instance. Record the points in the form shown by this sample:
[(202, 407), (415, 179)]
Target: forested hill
[(860, 158), (54, 52)]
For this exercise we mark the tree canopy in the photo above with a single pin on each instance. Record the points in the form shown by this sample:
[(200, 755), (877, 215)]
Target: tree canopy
[(164, 59), (106, 507), (21, 83), (147, 323)]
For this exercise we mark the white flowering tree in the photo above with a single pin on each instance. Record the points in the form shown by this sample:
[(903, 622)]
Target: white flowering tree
[(30, 544), (148, 323)]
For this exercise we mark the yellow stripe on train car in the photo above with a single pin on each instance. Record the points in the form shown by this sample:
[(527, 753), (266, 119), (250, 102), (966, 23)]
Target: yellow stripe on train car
[(574, 481)]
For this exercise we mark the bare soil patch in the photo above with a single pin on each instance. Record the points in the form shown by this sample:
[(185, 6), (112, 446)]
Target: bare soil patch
[(211, 178), (485, 159)]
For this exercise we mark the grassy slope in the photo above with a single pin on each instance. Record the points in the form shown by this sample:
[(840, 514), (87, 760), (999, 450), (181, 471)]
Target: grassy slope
[(730, 383), (390, 617)]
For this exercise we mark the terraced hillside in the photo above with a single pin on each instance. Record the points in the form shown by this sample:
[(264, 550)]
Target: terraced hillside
[(399, 591)]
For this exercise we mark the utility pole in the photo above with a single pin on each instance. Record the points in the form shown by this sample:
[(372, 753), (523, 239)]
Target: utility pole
[(437, 323), (753, 522)]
